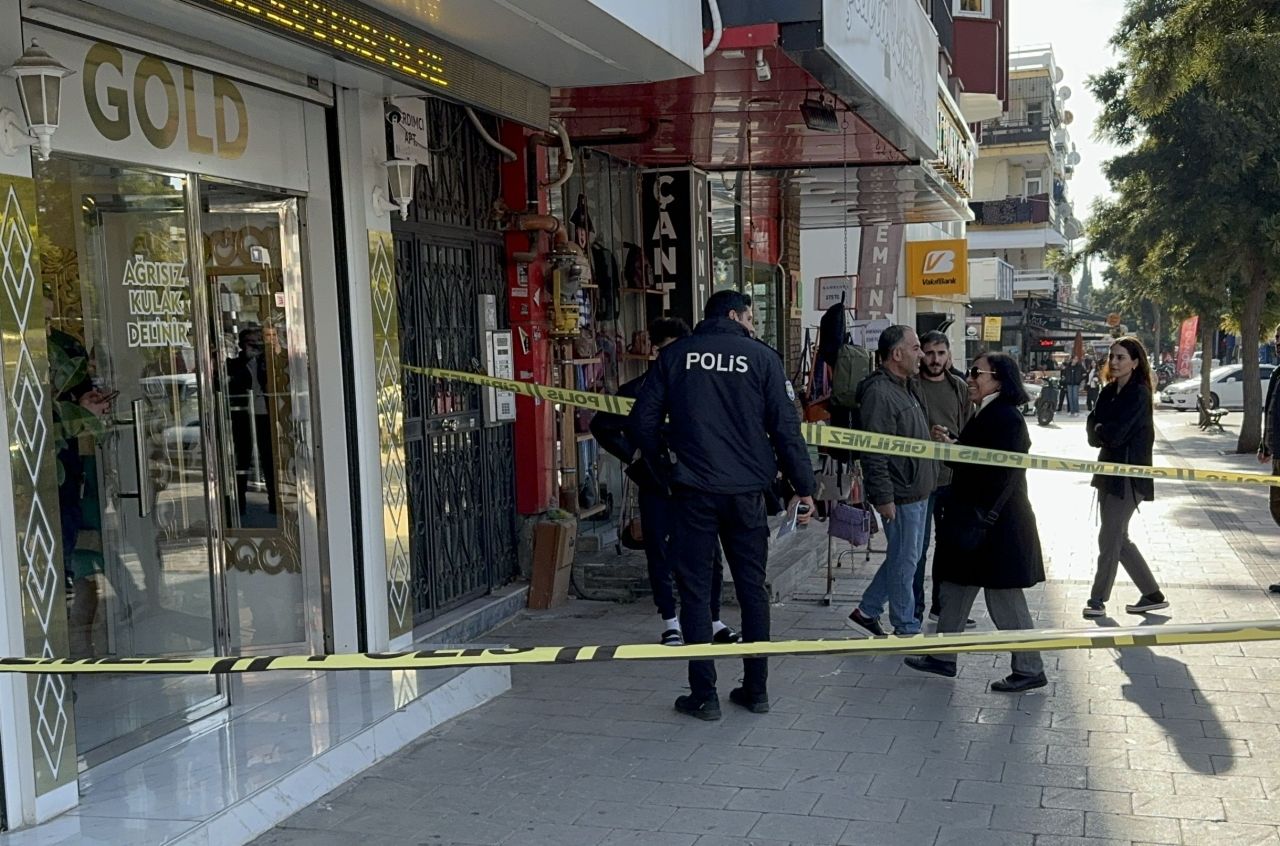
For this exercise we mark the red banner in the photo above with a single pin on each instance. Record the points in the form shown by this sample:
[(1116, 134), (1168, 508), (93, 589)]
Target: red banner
[(1188, 335)]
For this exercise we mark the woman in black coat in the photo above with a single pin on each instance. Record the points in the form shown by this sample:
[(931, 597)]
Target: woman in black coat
[(1121, 425), (1007, 558)]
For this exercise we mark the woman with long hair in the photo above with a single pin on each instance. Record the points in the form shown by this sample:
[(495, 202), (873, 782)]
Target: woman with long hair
[(1122, 427), (987, 538)]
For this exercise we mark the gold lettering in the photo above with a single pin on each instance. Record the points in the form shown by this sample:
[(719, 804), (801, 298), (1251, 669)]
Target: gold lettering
[(114, 128), (196, 142), (161, 136), (230, 148)]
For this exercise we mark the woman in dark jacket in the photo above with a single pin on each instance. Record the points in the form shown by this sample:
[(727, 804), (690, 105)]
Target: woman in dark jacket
[(1007, 559), (1121, 425)]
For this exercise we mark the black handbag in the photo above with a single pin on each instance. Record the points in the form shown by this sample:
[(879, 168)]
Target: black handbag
[(965, 526)]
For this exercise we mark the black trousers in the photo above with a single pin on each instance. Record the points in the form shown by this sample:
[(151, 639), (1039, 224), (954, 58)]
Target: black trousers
[(657, 518), (738, 520)]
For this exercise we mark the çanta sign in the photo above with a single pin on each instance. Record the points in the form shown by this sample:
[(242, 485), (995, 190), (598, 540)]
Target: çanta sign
[(677, 231), (937, 268)]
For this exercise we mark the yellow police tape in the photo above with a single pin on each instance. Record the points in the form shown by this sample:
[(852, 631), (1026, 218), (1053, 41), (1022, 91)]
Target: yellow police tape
[(430, 659), (832, 436)]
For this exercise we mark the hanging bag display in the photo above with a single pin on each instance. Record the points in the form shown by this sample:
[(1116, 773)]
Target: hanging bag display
[(850, 523), (834, 480), (630, 530)]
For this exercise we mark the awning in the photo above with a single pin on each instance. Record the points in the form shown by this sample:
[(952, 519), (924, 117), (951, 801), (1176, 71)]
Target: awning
[(833, 198)]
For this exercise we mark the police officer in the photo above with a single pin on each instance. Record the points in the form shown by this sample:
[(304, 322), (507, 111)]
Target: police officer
[(731, 425)]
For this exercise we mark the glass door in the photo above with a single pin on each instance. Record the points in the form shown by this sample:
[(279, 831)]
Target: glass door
[(252, 262), (135, 490)]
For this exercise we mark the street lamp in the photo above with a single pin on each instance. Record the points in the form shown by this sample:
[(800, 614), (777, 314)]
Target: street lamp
[(39, 78)]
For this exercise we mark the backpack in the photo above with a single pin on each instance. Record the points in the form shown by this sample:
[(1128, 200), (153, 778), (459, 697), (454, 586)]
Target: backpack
[(853, 364)]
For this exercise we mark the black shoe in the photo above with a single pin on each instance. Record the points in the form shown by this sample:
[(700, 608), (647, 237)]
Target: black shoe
[(726, 635), (672, 637), (703, 709), (756, 703), (1150, 602), (869, 624), (1017, 683), (1095, 608), (929, 664), (1275, 588)]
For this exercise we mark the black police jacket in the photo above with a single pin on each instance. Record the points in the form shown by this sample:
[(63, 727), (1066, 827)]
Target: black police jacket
[(610, 432), (731, 423)]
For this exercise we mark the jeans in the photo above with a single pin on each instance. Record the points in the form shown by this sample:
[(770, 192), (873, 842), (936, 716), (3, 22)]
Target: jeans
[(1073, 398), (738, 520), (892, 583), (933, 518), (657, 520)]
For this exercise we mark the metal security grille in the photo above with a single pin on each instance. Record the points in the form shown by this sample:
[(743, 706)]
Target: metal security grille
[(461, 475)]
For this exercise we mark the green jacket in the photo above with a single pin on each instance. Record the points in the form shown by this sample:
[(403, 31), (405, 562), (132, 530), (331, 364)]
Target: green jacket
[(891, 406)]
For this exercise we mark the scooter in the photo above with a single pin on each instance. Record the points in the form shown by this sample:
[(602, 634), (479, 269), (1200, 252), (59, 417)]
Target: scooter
[(1165, 376), (1047, 403)]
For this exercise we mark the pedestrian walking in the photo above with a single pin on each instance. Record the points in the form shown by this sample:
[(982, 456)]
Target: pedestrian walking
[(947, 408), (1073, 376), (656, 509), (897, 486), (1123, 429), (1269, 449), (731, 424), (988, 539), (1092, 383)]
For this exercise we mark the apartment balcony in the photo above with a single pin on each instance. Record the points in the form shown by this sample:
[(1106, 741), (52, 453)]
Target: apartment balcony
[(990, 279), (1041, 282), (1012, 211), (1006, 132)]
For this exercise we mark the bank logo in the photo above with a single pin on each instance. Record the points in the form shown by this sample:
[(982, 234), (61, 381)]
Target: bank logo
[(939, 261)]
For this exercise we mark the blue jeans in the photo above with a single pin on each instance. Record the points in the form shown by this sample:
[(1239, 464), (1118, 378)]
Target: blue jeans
[(1073, 398), (892, 583)]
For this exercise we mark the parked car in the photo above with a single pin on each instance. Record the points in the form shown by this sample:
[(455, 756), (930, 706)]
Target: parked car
[(1226, 385)]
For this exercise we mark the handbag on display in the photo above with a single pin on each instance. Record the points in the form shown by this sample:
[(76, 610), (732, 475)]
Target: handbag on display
[(630, 530), (640, 343), (964, 526), (852, 523), (834, 480)]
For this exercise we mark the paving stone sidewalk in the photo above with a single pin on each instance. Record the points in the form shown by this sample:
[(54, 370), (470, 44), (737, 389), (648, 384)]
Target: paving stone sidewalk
[(1140, 746)]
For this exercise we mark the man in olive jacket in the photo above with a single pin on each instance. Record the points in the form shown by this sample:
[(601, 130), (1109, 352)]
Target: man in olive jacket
[(898, 487)]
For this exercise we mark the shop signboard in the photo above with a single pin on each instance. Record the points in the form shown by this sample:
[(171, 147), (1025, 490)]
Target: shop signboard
[(973, 328), (408, 119), (891, 49), (879, 255), (677, 232), (144, 109), (1188, 334), (956, 149), (992, 326), (937, 268), (833, 290)]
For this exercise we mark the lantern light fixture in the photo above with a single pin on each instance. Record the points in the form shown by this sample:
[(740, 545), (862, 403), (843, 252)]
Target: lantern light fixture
[(39, 77), (400, 180)]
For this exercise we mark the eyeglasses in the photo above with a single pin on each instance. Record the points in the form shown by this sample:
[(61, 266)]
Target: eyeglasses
[(974, 372)]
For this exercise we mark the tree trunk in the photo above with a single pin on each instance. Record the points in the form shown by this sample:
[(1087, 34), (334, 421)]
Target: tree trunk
[(1208, 328), (1255, 300)]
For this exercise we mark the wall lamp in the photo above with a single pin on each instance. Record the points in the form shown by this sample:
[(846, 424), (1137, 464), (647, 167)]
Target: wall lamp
[(400, 181), (39, 78)]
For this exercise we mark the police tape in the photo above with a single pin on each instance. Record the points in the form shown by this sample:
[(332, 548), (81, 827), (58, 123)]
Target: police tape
[(860, 441), (1043, 640)]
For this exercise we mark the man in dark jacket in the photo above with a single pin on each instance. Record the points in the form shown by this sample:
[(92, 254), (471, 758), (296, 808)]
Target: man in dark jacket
[(948, 409), (898, 486), (1269, 450), (731, 425), (656, 512)]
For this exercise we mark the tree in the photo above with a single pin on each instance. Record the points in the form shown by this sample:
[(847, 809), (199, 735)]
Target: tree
[(1196, 222)]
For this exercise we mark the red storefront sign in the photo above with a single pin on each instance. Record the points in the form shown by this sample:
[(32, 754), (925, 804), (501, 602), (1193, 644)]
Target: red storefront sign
[(1187, 336)]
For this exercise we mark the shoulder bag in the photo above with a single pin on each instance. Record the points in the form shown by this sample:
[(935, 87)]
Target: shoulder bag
[(965, 526)]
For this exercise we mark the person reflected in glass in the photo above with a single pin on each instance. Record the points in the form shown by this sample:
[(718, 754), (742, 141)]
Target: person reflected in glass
[(248, 399)]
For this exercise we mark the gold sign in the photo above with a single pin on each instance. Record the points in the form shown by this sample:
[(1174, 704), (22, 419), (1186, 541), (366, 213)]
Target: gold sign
[(117, 102), (992, 326), (937, 268)]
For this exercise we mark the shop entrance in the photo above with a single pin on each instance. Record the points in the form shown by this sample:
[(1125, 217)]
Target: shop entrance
[(181, 424)]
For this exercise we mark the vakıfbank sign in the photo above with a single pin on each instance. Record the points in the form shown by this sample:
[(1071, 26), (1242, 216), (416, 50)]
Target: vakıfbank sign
[(143, 109), (937, 268), (890, 47)]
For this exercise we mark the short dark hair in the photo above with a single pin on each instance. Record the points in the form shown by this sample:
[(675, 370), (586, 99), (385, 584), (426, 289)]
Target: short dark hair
[(721, 303), (933, 336), (1007, 373), (667, 329), (889, 340)]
